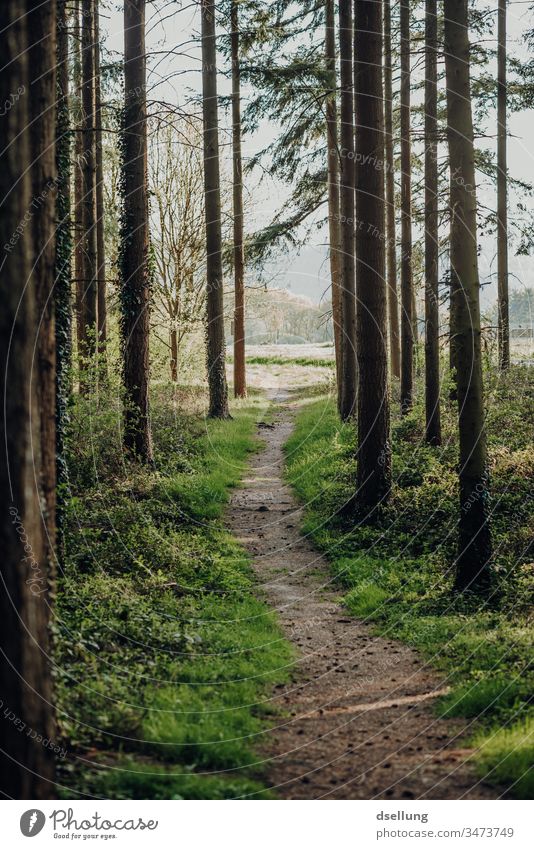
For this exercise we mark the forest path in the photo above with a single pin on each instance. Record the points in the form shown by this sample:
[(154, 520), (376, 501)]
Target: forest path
[(356, 720)]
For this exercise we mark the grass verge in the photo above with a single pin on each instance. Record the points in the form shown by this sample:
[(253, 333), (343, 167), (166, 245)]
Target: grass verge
[(164, 656), (397, 573)]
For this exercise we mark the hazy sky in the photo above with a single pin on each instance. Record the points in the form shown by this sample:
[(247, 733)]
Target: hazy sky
[(174, 76)]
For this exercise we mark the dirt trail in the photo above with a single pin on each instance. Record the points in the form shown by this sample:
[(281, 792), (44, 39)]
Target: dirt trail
[(356, 721)]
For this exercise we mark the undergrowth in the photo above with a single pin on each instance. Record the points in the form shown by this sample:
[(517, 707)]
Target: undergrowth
[(164, 656), (397, 573)]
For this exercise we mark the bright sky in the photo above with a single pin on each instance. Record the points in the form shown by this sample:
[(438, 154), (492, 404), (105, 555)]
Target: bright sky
[(174, 76)]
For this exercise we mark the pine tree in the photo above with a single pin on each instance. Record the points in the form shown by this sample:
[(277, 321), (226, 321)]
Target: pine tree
[(333, 188), (348, 296), (502, 193), (134, 260), (432, 401), (99, 200), (26, 766), (391, 253), (374, 453), (218, 389), (240, 385), (87, 342), (474, 553), (407, 317)]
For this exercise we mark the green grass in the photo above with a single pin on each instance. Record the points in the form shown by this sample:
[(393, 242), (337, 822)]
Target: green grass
[(397, 573), (166, 659), (290, 361)]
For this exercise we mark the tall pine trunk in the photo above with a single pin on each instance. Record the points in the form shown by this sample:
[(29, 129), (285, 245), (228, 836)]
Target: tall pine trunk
[(432, 401), (474, 553), (88, 188), (347, 278), (240, 385), (43, 96), (218, 389), (78, 205), (502, 194), (62, 285), (333, 187), (374, 454), (135, 274), (407, 317), (100, 240), (26, 766), (391, 253)]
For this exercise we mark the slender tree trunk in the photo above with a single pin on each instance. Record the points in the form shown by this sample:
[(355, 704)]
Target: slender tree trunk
[(240, 385), (502, 193), (174, 355), (474, 554), (218, 389), (135, 275), (348, 295), (26, 766), (374, 453), (391, 254), (407, 319), (100, 241), (78, 205), (62, 286), (432, 402), (43, 95), (89, 276), (333, 188)]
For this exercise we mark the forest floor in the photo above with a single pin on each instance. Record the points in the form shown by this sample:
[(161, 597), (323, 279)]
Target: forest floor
[(357, 719)]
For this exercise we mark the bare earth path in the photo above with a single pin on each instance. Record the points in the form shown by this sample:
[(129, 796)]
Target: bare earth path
[(357, 720)]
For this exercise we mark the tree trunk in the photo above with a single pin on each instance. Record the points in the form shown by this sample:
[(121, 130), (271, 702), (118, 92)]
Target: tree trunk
[(174, 355), (218, 389), (432, 402), (26, 766), (62, 286), (348, 296), (333, 188), (135, 282), (391, 254), (100, 242), (43, 96), (78, 205), (473, 562), (502, 193), (240, 385), (88, 188), (407, 319), (374, 453)]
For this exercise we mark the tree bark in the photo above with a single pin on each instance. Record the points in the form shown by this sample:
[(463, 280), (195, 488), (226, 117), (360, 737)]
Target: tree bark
[(407, 318), (432, 400), (78, 205), (100, 240), (174, 355), (26, 766), (218, 389), (240, 385), (391, 254), (63, 258), (502, 193), (348, 295), (474, 553), (135, 276), (42, 104), (374, 453), (333, 188), (88, 189)]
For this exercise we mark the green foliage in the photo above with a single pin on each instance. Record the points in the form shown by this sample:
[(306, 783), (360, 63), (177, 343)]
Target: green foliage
[(163, 652), (398, 573)]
